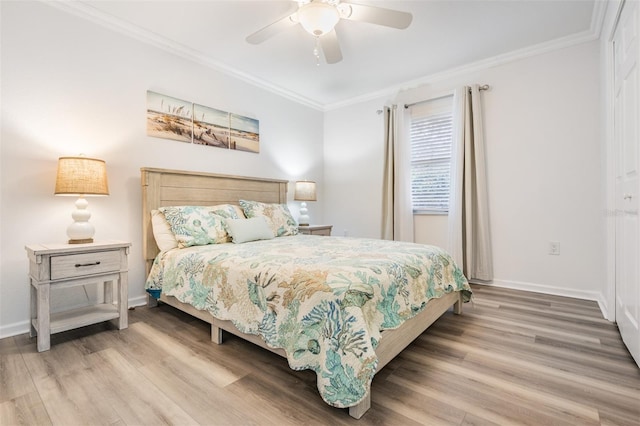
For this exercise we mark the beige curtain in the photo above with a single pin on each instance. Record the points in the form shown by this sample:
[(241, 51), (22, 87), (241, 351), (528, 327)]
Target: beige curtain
[(397, 210), (469, 233), (389, 172)]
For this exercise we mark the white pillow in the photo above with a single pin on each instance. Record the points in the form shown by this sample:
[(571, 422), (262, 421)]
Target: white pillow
[(252, 229), (165, 240)]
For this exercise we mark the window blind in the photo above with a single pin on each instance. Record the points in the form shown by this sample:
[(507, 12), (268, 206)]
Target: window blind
[(431, 135)]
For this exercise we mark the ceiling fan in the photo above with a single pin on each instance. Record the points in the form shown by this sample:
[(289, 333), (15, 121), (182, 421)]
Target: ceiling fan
[(319, 18)]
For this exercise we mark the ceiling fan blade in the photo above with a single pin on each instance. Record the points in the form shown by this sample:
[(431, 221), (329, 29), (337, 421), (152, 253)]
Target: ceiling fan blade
[(375, 15), (331, 47), (271, 30)]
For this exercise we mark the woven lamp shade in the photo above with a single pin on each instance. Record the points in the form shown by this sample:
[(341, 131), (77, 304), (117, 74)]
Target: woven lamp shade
[(81, 176), (305, 191)]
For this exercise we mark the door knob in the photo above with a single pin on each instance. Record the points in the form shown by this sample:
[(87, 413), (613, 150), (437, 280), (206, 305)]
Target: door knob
[(627, 196)]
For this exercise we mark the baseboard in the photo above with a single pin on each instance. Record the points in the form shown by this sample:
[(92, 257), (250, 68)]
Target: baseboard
[(138, 301), (602, 303), (14, 329), (553, 290), (22, 327)]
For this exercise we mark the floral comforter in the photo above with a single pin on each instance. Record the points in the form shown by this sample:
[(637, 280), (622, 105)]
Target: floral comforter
[(324, 300)]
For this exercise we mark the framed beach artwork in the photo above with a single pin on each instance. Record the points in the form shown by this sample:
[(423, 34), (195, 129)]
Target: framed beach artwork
[(210, 126), (169, 118), (172, 118), (244, 133)]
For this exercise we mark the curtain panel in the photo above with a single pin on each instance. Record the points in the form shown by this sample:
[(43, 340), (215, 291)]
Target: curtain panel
[(397, 209), (469, 231), (389, 173)]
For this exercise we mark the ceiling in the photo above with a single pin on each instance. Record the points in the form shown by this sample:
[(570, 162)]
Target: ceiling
[(444, 35)]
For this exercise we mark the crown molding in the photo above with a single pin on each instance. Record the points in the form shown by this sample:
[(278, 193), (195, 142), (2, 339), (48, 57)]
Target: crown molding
[(86, 11), (583, 37), (598, 17)]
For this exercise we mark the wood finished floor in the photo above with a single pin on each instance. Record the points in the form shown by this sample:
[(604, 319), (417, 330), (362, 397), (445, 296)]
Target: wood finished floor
[(512, 358)]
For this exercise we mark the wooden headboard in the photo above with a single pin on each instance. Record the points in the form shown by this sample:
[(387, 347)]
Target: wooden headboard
[(163, 187)]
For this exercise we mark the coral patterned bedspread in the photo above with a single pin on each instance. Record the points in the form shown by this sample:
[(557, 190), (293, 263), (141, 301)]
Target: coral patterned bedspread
[(324, 300)]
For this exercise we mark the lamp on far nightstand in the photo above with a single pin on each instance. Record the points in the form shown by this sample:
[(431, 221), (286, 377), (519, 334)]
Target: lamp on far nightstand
[(81, 176), (305, 191)]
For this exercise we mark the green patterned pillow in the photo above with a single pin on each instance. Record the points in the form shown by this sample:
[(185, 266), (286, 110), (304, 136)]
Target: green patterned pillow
[(199, 225), (227, 211), (278, 216)]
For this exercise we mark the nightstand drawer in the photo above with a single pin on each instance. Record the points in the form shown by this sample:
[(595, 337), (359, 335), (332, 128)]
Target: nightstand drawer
[(81, 264), (315, 229), (323, 231)]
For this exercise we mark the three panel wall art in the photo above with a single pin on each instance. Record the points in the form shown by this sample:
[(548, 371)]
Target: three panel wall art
[(171, 118)]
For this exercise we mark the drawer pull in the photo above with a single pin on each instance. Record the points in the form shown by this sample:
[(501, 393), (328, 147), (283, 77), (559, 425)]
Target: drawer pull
[(80, 265)]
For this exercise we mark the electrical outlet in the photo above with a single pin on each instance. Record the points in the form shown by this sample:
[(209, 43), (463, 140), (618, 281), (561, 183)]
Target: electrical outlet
[(554, 248), (345, 233)]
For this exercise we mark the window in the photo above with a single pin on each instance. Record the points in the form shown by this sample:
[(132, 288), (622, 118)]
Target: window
[(431, 136)]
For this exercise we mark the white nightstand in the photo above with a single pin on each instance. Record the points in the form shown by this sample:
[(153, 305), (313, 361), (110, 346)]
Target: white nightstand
[(54, 266), (315, 229)]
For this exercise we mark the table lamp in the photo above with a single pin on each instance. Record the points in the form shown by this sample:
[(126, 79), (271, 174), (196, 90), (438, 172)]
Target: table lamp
[(304, 191), (80, 177)]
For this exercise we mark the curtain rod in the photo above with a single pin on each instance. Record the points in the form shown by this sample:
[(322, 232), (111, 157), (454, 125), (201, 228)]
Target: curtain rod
[(482, 87)]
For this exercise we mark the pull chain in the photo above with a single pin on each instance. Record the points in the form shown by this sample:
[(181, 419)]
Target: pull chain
[(316, 51)]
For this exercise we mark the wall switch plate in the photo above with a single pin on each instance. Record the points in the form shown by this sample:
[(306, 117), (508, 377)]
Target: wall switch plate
[(554, 248)]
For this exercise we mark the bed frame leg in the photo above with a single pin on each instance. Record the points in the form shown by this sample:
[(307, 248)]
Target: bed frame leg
[(457, 307), (152, 302), (358, 411), (216, 334)]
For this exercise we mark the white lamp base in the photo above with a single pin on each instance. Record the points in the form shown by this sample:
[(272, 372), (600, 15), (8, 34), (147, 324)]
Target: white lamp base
[(304, 217), (81, 231)]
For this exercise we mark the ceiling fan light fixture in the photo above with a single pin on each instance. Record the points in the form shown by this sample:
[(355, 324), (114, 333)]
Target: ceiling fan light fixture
[(318, 18)]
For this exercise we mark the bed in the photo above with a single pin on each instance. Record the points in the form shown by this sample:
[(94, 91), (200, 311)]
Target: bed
[(356, 354)]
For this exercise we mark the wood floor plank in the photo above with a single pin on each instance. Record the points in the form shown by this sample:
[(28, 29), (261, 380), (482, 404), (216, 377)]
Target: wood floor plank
[(547, 365), (127, 391), (473, 420), (544, 358), (15, 379), (200, 398), (135, 347), (26, 409), (474, 399), (511, 358), (497, 336), (417, 406), (570, 324), (213, 372), (257, 391), (554, 385), (75, 397), (62, 358), (578, 412)]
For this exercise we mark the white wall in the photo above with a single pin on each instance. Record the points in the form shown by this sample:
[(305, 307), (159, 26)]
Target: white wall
[(354, 160), (542, 129), (71, 86)]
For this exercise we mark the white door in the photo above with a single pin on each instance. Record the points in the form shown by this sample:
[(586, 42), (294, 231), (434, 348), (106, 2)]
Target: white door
[(626, 135)]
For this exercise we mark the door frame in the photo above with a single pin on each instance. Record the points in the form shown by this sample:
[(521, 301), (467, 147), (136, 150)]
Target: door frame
[(613, 18)]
